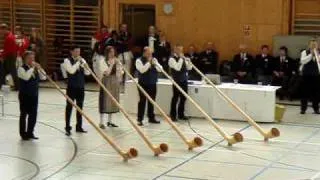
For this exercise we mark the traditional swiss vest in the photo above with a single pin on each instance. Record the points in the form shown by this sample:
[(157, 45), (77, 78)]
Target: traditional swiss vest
[(76, 80), (182, 75), (30, 87), (151, 76), (311, 68)]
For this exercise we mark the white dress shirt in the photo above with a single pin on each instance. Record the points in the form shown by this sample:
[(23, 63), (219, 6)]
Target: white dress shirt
[(72, 69), (26, 75), (142, 68), (178, 65)]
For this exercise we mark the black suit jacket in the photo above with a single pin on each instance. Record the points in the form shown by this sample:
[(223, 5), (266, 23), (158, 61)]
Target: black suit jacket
[(247, 65), (209, 62), (265, 65)]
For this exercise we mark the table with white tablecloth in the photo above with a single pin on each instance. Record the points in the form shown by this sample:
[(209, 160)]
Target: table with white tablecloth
[(256, 100)]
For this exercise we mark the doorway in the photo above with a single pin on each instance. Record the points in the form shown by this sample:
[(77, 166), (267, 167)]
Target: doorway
[(138, 17)]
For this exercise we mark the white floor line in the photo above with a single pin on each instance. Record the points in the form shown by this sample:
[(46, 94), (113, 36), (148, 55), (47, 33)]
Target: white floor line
[(316, 176)]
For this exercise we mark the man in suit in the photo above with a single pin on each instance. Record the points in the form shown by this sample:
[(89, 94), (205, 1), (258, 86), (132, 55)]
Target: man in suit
[(152, 40), (243, 66), (209, 60), (264, 66), (283, 69), (194, 57), (164, 51)]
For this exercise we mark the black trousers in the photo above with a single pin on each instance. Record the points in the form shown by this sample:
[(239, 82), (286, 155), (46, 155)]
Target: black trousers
[(76, 94), (9, 67), (28, 108), (177, 95), (151, 89), (310, 92)]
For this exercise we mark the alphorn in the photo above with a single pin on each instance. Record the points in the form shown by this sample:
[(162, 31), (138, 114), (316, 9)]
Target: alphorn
[(235, 138), (157, 150), (195, 142), (132, 153), (274, 132)]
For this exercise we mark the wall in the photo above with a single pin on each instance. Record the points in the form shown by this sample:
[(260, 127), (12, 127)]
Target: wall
[(220, 21)]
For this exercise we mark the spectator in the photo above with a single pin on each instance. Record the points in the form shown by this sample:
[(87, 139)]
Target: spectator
[(125, 55), (283, 69), (99, 36), (243, 66), (164, 51), (209, 60), (152, 39), (38, 46), (112, 40), (194, 57), (23, 44), (264, 65), (9, 56)]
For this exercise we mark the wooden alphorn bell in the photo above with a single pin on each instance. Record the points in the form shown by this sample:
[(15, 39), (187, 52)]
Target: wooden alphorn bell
[(157, 150), (274, 132), (195, 142), (132, 153), (235, 138)]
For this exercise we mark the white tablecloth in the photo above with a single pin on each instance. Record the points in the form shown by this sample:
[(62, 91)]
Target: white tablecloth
[(256, 100)]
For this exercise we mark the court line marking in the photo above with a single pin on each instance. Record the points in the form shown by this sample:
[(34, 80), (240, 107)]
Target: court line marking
[(194, 156), (281, 157)]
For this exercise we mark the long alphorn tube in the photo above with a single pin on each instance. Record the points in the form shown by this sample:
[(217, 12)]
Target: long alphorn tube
[(237, 137), (132, 153), (274, 132), (162, 148), (195, 142)]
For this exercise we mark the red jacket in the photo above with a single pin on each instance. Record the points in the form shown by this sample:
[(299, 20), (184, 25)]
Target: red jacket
[(23, 46), (9, 46)]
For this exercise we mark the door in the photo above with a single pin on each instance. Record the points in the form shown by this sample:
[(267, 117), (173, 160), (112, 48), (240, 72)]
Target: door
[(138, 17)]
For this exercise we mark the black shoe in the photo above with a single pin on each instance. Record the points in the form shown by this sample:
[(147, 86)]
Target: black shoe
[(140, 123), (185, 118), (33, 137), (302, 112), (25, 138), (174, 119), (154, 121), (68, 133), (109, 124), (81, 130)]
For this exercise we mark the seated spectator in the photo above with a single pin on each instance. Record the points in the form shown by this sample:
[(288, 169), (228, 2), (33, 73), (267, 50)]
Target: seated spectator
[(38, 46), (243, 66), (112, 40), (283, 69), (194, 57), (209, 60), (264, 66)]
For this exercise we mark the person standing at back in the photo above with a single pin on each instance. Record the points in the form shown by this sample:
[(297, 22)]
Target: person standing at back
[(74, 66), (180, 65), (9, 56), (310, 72)]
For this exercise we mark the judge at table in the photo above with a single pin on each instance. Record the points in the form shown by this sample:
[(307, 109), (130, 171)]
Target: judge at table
[(265, 65), (243, 66), (180, 65), (209, 60), (148, 68)]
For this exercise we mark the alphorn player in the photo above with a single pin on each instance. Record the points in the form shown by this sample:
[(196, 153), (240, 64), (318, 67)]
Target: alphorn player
[(310, 77), (110, 73), (74, 66), (148, 68), (29, 77), (180, 65)]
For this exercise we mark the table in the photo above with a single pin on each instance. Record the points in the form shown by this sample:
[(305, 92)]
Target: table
[(256, 100)]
